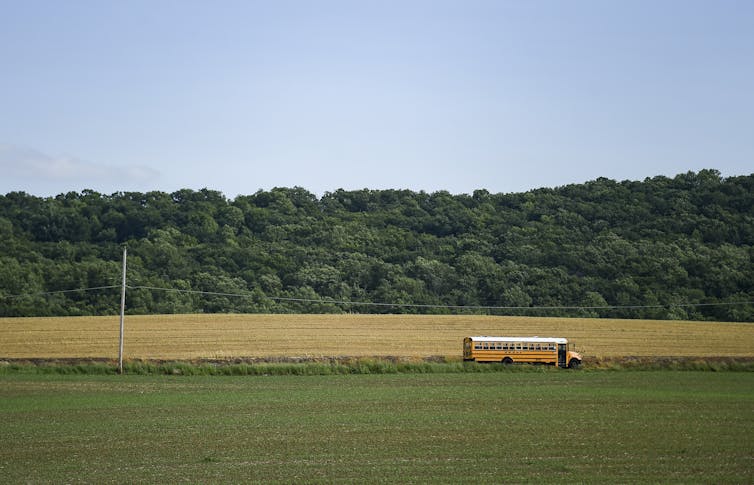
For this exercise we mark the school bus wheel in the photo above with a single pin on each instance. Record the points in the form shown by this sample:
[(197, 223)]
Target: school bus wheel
[(507, 361)]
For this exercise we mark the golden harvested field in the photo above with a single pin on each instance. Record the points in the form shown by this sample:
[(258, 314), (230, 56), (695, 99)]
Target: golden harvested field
[(238, 336)]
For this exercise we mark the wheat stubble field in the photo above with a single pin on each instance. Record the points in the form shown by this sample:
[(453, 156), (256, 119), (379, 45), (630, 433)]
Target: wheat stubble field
[(227, 336)]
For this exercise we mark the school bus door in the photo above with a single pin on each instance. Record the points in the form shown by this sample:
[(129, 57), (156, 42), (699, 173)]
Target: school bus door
[(561, 355)]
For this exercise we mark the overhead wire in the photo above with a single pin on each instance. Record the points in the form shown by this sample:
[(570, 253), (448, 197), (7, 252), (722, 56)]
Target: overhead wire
[(383, 304), (439, 306), (46, 293)]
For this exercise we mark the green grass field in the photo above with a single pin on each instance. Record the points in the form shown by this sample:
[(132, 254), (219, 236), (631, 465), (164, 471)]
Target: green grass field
[(542, 426)]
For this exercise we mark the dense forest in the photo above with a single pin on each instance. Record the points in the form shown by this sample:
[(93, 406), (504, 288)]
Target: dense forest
[(668, 248)]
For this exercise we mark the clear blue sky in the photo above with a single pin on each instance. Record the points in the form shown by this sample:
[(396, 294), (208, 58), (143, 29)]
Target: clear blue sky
[(426, 95)]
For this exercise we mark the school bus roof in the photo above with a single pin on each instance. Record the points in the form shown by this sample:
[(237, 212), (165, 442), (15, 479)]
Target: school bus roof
[(485, 338)]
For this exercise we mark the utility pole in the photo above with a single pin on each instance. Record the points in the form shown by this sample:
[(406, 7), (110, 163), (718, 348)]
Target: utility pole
[(122, 314)]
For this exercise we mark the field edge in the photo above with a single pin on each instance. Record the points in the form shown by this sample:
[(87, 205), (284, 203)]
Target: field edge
[(351, 365)]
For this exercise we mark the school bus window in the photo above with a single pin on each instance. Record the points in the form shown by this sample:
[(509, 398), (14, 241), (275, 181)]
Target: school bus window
[(477, 346), (518, 345)]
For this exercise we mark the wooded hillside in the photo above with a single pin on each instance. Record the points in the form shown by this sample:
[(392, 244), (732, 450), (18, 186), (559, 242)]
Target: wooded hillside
[(662, 244)]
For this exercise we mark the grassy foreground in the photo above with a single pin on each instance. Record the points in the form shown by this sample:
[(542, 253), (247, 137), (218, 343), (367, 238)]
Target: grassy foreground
[(544, 427)]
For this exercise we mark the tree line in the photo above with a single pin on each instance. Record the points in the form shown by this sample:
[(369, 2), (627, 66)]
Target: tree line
[(650, 248)]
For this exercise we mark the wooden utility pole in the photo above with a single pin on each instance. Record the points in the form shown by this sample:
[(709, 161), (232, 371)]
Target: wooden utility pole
[(122, 314)]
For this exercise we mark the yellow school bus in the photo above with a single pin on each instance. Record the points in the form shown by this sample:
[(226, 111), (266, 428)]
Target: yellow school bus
[(532, 350)]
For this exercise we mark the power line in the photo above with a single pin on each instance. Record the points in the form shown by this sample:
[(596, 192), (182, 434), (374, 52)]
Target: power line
[(384, 304), (47, 293), (451, 307)]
